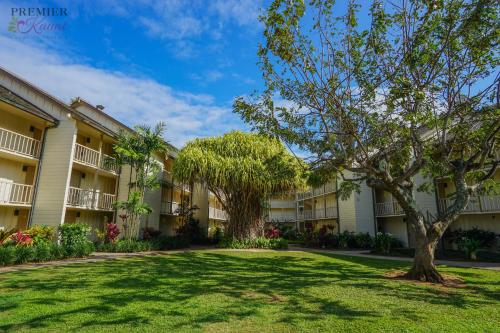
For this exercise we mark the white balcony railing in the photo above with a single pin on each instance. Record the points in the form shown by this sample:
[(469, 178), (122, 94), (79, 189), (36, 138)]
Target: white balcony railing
[(18, 143), (388, 208), (169, 208), (86, 155), (90, 157), (15, 194), (217, 214), (90, 199), (281, 216), (317, 191), (477, 204), (318, 213), (109, 163)]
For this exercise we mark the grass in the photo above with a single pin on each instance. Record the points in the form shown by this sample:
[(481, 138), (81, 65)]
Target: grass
[(227, 291)]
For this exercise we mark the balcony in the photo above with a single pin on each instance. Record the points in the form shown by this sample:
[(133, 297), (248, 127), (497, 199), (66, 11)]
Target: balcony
[(19, 144), (317, 191), (281, 217), (477, 204), (14, 194), (389, 208), (92, 158), (217, 214), (90, 199), (318, 213), (169, 208)]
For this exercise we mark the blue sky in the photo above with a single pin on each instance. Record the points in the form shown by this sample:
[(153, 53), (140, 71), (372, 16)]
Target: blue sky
[(178, 61)]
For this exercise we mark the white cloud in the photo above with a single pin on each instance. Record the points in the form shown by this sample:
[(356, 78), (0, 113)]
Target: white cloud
[(130, 99)]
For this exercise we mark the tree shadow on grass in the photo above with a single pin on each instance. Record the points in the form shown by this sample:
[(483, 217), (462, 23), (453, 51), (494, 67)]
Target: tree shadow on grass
[(483, 291), (190, 290)]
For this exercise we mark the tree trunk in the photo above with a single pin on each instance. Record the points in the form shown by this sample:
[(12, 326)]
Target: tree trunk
[(423, 268)]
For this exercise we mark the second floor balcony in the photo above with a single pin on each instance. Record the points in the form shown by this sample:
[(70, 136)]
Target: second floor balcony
[(330, 187), (477, 204), (281, 216), (14, 194), (17, 143), (93, 158), (388, 208), (318, 213), (169, 208), (90, 199), (217, 214)]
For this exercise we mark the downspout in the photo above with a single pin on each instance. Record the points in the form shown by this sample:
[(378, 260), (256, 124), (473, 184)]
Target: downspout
[(337, 198), (38, 171), (374, 207)]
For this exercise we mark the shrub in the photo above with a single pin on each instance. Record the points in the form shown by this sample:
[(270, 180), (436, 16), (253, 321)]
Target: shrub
[(81, 250), (126, 246), (112, 232), (363, 240), (470, 246), (73, 233), (384, 243), (21, 239), (42, 252), (56, 251), (41, 234), (192, 232), (257, 243), (218, 234), (486, 238), (7, 255), (171, 242), (23, 254), (132, 245), (273, 233), (150, 233)]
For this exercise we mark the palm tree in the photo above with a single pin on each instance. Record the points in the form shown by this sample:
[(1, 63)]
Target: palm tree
[(137, 149)]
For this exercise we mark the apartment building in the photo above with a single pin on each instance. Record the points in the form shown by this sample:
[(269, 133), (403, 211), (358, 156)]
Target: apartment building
[(56, 165), (374, 211)]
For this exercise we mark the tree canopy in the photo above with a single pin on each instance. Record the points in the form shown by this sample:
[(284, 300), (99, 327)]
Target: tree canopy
[(242, 170), (412, 90)]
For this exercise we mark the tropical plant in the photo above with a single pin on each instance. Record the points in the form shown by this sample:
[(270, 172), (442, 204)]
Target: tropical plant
[(254, 243), (137, 150), (150, 233), (242, 170), (41, 234), (5, 234), (413, 90), (470, 246), (74, 239), (21, 239), (23, 254), (385, 242), (112, 232), (7, 255)]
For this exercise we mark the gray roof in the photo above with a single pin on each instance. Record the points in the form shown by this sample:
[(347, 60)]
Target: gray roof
[(9, 97)]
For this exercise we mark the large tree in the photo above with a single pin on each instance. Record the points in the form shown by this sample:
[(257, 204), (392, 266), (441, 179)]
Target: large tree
[(386, 91), (242, 170)]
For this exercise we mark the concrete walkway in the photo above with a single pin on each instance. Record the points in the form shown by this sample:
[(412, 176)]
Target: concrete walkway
[(102, 256), (366, 254)]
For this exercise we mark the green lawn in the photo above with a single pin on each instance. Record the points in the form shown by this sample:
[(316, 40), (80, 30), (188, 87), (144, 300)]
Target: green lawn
[(222, 291)]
